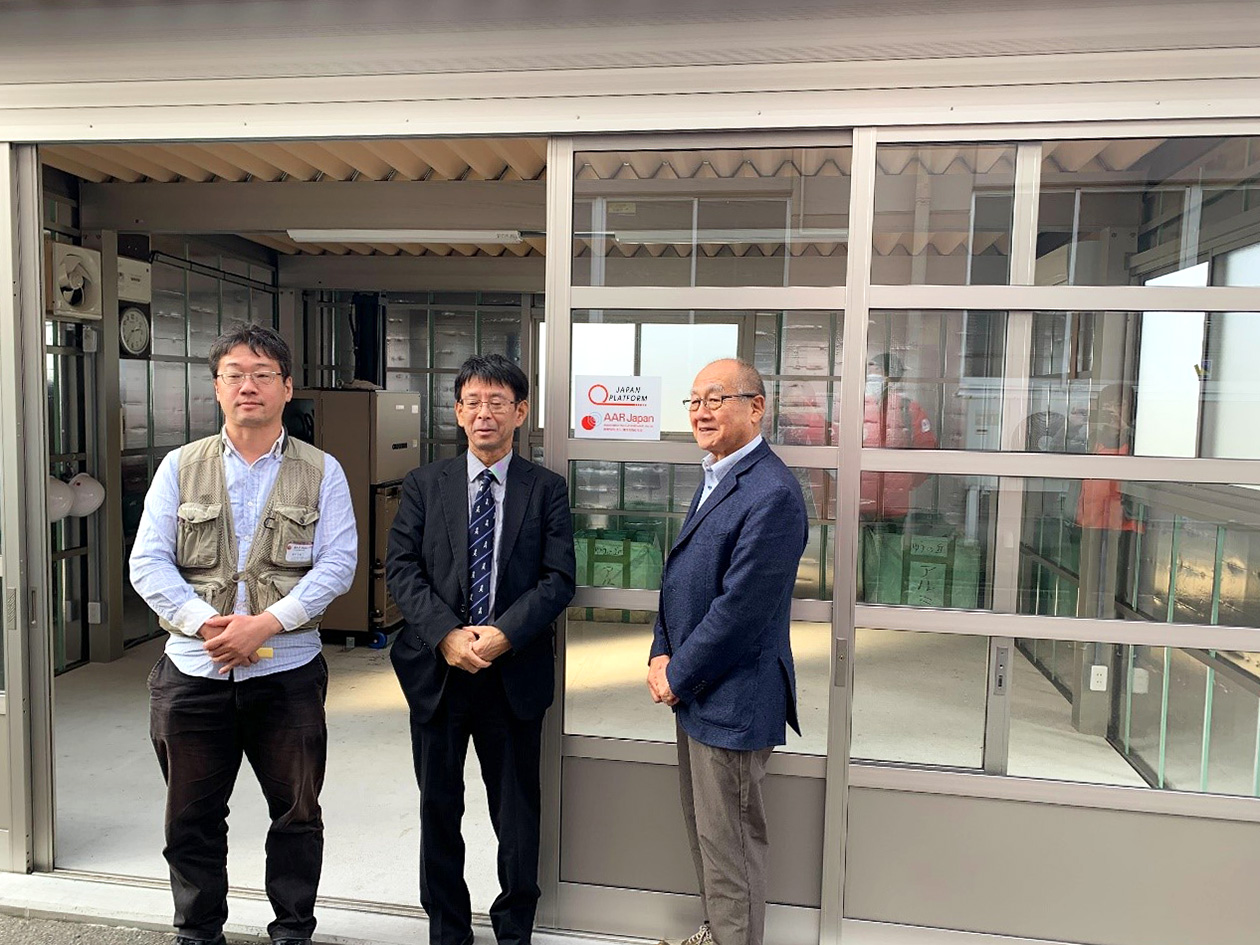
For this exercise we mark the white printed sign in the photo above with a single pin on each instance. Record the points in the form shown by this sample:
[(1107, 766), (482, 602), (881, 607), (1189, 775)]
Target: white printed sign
[(617, 408)]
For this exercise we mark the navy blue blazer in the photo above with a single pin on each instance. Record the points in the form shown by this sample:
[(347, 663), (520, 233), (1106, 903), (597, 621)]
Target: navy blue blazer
[(426, 570), (724, 611)]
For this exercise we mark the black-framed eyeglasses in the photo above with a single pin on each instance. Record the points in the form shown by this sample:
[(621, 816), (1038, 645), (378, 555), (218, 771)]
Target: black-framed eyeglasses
[(261, 378), (713, 401), (495, 404)]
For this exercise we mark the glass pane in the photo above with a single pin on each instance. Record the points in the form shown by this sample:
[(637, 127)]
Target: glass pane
[(443, 400), (1144, 383), (262, 307), (605, 693), (934, 379), (927, 540), (454, 338), (919, 698), (1158, 551), (767, 216), (1185, 720), (501, 334), (406, 336), (133, 381), (170, 421), (169, 324), (674, 346), (203, 409), (1122, 212), (943, 214), (626, 516), (235, 303), (676, 353), (203, 314)]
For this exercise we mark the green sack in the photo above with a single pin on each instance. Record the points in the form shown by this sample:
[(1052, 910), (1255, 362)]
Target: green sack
[(931, 567)]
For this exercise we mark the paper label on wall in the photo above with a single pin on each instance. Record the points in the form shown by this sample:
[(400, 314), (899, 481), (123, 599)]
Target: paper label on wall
[(617, 408)]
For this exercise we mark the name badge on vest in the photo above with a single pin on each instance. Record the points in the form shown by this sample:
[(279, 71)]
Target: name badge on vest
[(299, 552)]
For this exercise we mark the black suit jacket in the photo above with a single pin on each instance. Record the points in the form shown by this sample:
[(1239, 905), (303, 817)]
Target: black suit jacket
[(426, 569)]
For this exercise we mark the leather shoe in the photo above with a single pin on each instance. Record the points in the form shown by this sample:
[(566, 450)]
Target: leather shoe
[(291, 941), (188, 940)]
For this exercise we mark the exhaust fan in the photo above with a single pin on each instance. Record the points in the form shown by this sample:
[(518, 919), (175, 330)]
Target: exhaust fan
[(73, 284)]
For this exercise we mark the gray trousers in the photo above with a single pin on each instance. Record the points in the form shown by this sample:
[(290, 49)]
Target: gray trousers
[(726, 825)]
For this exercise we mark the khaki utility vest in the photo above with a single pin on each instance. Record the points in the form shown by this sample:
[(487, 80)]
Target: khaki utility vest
[(206, 549)]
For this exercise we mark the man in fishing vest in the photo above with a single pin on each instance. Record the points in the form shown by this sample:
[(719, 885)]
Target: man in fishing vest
[(247, 536)]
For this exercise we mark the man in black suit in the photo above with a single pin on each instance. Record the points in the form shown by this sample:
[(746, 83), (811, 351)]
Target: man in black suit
[(480, 563)]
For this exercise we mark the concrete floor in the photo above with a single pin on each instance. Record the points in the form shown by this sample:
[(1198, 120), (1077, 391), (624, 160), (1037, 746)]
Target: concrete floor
[(918, 697), (110, 794)]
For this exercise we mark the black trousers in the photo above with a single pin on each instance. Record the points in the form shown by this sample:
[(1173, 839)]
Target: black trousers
[(508, 748), (200, 729)]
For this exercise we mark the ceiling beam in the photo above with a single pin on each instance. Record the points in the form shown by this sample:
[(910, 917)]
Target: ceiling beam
[(412, 273), (262, 207)]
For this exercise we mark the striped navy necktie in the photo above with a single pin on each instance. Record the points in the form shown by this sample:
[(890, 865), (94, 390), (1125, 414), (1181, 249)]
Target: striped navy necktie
[(481, 551)]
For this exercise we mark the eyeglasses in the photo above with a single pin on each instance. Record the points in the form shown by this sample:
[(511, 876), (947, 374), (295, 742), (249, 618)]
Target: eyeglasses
[(713, 401), (496, 405), (260, 378)]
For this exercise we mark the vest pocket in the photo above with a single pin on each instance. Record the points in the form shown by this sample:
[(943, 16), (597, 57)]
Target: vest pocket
[(197, 540), (215, 593), (273, 585), (293, 536)]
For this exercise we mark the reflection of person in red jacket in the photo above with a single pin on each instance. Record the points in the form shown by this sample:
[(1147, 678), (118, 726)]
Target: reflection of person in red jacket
[(1101, 504), (891, 419)]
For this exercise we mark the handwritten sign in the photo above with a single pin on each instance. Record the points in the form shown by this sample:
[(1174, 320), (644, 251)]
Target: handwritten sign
[(617, 408)]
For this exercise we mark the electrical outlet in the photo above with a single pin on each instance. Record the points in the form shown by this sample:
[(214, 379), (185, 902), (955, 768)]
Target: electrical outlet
[(1098, 678), (94, 611)]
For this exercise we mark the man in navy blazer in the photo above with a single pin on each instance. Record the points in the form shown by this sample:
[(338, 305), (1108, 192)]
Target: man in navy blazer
[(481, 564), (721, 656)]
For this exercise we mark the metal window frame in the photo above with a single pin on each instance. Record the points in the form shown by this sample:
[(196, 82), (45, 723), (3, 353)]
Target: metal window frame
[(855, 300)]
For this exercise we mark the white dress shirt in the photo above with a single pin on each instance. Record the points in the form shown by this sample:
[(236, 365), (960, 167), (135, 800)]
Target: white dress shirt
[(716, 469), (498, 489), (156, 578)]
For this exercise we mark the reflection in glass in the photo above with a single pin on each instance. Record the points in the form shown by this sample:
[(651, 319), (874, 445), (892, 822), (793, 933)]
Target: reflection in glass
[(1119, 212), (919, 698), (799, 356), (757, 216), (170, 417), (167, 311), (203, 314), (605, 692), (943, 214), (934, 379), (927, 541), (406, 335), (1158, 551), (1178, 719), (626, 516), (133, 382), (1146, 383), (235, 302)]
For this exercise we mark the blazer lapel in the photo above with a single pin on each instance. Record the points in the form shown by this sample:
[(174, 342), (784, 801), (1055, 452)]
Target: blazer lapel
[(455, 511), (723, 489), (520, 485)]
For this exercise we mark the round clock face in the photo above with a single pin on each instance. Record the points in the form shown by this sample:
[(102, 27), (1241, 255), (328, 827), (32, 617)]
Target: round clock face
[(133, 330)]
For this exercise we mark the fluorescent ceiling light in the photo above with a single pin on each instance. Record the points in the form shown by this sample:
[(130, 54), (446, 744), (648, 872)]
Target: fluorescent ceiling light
[(406, 236)]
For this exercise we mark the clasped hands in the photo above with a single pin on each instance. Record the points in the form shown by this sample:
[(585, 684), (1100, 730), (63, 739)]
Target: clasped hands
[(233, 639), (473, 648), (658, 682)]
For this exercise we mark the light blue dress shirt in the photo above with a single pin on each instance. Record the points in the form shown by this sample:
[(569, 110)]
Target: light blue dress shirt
[(156, 578), (498, 489), (716, 469)]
